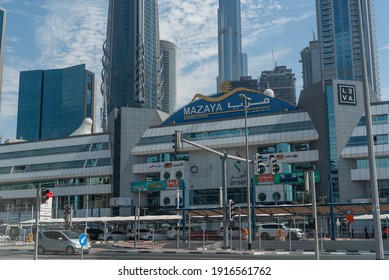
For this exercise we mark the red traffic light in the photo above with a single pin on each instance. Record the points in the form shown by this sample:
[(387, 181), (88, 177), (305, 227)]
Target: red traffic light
[(46, 194)]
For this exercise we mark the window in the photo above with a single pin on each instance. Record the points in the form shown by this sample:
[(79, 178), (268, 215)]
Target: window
[(376, 119), (91, 163), (380, 139)]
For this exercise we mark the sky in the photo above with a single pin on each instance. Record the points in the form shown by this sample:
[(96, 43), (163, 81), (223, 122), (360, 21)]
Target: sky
[(52, 34)]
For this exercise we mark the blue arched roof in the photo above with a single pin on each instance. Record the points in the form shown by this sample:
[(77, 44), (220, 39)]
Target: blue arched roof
[(227, 105)]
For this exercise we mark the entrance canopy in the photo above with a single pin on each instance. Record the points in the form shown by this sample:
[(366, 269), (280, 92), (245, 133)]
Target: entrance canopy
[(291, 210), (115, 219)]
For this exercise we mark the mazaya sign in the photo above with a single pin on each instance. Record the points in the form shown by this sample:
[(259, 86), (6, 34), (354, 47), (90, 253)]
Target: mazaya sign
[(228, 105)]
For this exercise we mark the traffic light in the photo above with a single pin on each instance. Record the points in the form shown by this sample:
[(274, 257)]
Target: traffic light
[(231, 209), (274, 168), (68, 213), (46, 194), (259, 165), (68, 209), (177, 141)]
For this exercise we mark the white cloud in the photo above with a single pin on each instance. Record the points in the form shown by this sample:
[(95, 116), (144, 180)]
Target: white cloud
[(72, 32)]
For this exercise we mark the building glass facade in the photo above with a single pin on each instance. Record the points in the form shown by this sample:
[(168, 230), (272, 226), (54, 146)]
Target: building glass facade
[(169, 86), (340, 47), (132, 52), (231, 66), (54, 103)]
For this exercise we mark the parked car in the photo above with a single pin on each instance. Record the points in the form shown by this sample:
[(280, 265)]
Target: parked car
[(132, 232), (156, 235), (271, 231), (65, 241), (385, 232), (275, 230), (295, 233), (172, 232), (235, 233), (115, 235), (93, 233), (4, 238)]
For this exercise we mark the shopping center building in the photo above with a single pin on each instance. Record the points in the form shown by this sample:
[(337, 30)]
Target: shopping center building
[(135, 165)]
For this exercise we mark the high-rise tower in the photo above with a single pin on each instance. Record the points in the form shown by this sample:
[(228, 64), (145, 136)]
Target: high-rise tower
[(340, 47), (54, 103), (282, 81), (169, 85), (232, 62), (310, 60), (131, 62)]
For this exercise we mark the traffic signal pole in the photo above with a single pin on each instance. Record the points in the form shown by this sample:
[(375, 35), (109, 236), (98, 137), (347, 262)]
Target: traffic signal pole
[(224, 156), (37, 218)]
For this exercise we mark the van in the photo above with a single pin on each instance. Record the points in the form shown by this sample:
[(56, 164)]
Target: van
[(65, 241)]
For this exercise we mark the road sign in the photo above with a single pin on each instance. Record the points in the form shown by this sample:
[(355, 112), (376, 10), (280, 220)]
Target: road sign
[(46, 210), (83, 239)]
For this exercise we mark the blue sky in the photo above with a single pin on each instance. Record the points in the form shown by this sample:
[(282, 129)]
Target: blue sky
[(49, 34)]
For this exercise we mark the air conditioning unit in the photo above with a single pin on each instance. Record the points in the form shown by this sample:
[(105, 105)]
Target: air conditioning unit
[(269, 194), (172, 174), (169, 198)]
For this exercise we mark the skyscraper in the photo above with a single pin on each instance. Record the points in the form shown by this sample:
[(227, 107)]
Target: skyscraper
[(169, 85), (2, 39), (282, 81), (232, 62), (310, 59), (54, 103), (340, 47), (131, 60)]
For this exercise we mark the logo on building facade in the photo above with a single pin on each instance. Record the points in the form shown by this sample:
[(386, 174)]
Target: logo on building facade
[(347, 95)]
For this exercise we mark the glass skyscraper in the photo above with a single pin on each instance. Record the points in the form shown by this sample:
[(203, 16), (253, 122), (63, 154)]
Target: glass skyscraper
[(169, 85), (132, 60), (2, 39), (232, 62), (54, 103), (340, 47)]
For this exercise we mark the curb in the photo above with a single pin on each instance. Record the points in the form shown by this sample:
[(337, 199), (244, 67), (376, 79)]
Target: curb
[(262, 252)]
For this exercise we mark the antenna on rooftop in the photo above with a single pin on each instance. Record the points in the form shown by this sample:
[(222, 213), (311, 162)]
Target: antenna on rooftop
[(313, 34)]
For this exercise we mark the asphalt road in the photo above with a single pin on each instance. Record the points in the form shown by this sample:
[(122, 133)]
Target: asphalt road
[(110, 252)]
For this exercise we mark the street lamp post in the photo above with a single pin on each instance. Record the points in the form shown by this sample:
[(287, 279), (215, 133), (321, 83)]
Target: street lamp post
[(246, 100)]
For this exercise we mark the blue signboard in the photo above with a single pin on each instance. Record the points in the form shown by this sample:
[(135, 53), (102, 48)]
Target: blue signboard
[(228, 105), (83, 239)]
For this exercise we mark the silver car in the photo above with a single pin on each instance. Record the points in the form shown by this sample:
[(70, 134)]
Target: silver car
[(65, 241), (4, 238)]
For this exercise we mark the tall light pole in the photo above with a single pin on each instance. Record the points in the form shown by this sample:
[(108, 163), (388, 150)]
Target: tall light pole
[(370, 144), (246, 100)]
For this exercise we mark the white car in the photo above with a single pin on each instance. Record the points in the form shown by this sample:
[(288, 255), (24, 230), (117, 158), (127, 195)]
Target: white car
[(132, 232), (271, 231), (4, 238), (172, 232), (115, 235), (156, 235), (295, 233)]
